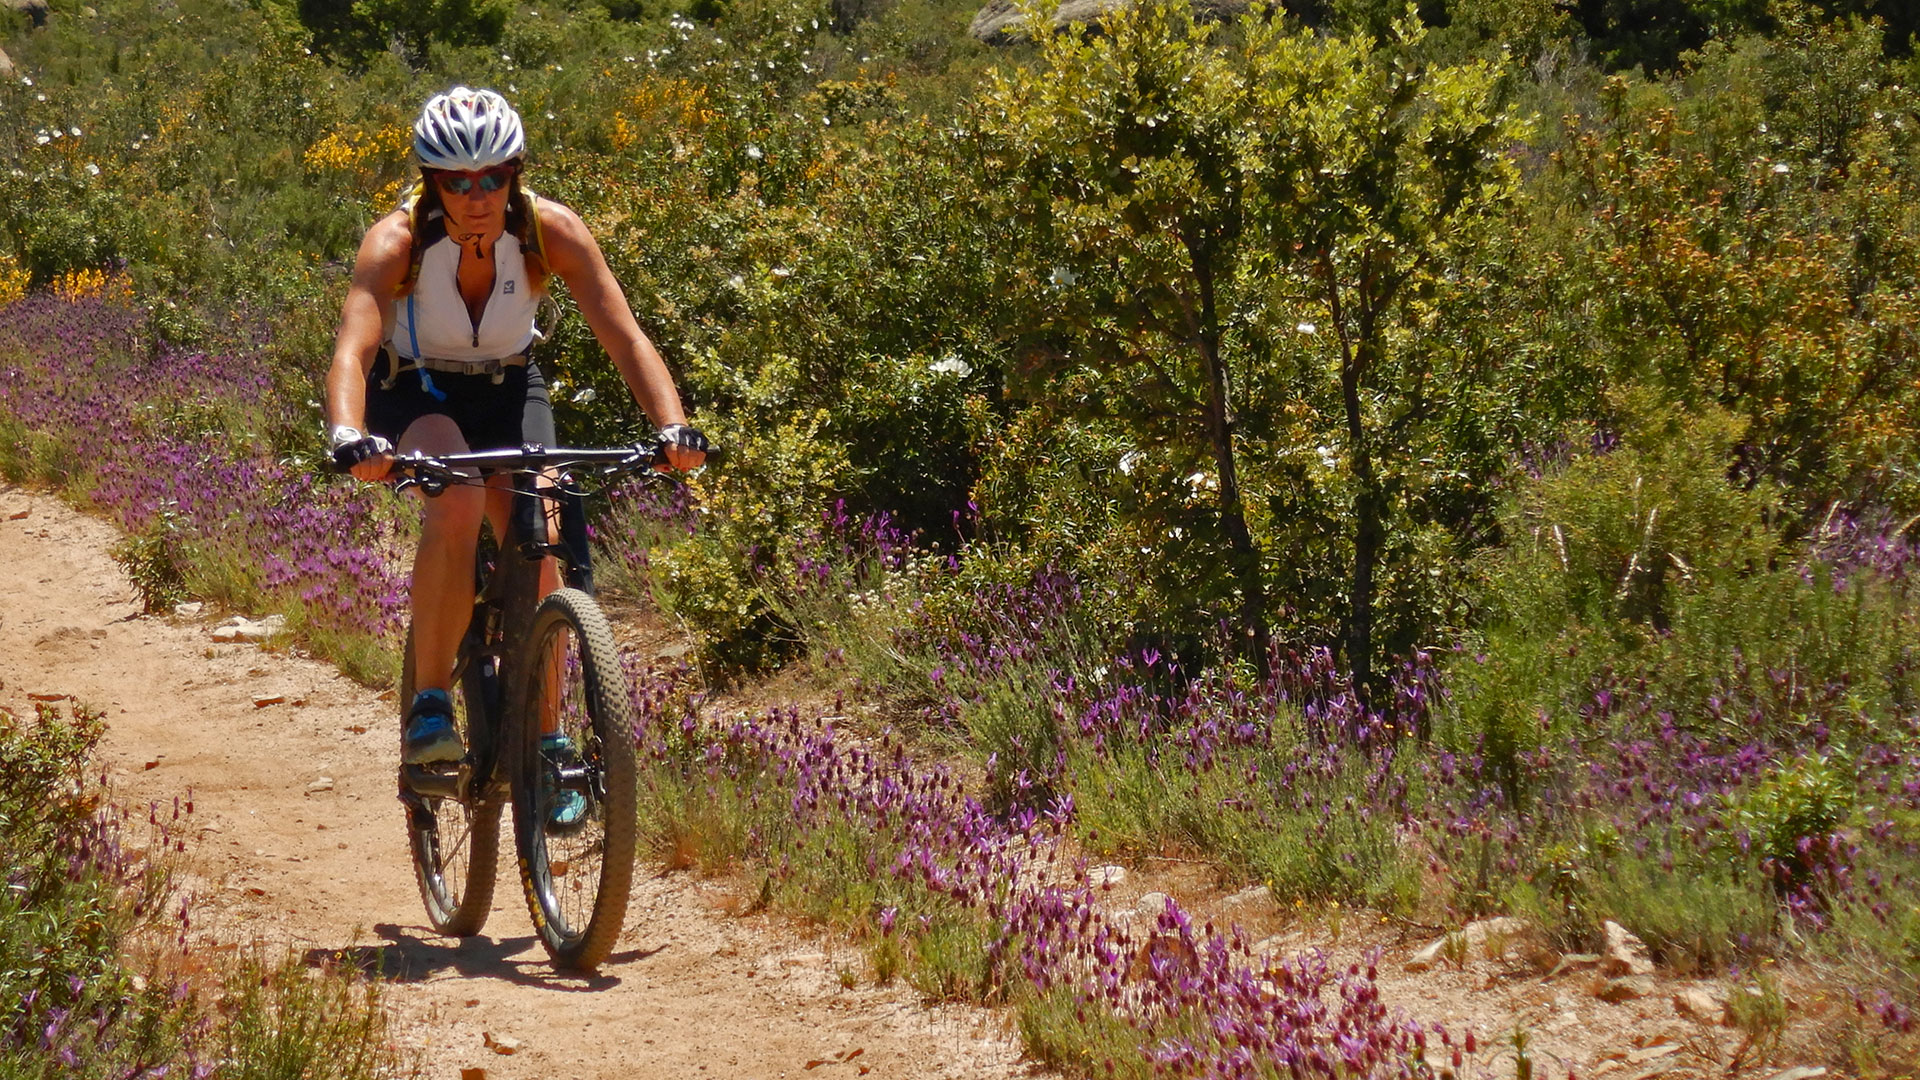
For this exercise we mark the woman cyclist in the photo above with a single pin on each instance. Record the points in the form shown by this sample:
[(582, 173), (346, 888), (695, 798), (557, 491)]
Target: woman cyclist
[(432, 355)]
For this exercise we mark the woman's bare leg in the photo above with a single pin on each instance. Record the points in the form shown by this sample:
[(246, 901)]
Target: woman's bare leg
[(442, 590)]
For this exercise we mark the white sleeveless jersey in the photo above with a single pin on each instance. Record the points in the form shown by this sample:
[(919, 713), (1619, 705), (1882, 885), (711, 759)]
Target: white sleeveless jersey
[(432, 321)]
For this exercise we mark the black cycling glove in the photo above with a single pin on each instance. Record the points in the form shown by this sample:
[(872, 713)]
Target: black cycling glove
[(685, 437), (350, 448)]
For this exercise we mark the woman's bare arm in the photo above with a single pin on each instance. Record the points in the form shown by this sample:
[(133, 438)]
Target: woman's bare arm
[(378, 270), (573, 254)]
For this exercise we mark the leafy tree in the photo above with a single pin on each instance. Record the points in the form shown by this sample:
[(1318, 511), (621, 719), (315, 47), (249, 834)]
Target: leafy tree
[(354, 30), (1125, 157), (1194, 216)]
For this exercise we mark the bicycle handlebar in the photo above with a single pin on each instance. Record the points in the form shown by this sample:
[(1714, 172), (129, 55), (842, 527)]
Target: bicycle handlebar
[(441, 469)]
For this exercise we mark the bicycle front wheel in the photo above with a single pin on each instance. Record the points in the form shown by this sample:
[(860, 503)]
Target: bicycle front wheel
[(574, 798), (455, 843)]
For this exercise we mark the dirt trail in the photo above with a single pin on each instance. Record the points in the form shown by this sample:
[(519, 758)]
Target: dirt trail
[(300, 844)]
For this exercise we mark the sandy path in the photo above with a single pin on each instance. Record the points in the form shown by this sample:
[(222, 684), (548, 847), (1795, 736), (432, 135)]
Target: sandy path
[(690, 991)]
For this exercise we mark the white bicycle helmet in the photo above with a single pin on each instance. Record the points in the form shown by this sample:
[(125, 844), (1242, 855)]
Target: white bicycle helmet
[(466, 130)]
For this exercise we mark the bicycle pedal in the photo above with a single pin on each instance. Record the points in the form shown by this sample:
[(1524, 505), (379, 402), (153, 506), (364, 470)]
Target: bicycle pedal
[(433, 781)]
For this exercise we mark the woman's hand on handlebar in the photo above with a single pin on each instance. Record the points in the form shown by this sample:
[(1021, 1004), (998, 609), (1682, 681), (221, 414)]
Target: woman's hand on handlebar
[(683, 447), (367, 457)]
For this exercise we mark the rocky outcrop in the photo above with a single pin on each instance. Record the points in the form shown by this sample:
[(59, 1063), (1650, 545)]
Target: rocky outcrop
[(6, 65), (1003, 22), (35, 10)]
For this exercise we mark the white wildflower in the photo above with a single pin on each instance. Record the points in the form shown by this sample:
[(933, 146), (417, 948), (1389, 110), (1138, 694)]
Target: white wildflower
[(1129, 460), (1306, 328), (584, 395), (754, 152), (1062, 277), (1781, 168), (951, 365)]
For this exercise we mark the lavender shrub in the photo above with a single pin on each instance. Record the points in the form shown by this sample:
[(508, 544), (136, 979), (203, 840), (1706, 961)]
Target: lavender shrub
[(864, 836), (178, 444)]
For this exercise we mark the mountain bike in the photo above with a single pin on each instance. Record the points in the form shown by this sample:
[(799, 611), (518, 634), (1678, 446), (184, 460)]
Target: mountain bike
[(530, 665)]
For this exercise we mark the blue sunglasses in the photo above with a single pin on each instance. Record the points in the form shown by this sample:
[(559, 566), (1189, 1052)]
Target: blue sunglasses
[(490, 181)]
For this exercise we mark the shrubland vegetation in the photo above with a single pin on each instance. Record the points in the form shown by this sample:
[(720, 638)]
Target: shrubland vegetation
[(1456, 460), (98, 978)]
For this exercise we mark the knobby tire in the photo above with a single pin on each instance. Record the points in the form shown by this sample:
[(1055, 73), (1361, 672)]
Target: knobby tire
[(455, 845), (578, 921)]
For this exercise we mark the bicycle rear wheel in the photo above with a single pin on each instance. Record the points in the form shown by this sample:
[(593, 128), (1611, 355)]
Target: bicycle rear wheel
[(577, 875), (455, 843)]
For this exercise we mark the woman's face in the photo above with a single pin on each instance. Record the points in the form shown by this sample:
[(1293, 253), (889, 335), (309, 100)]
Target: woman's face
[(475, 202)]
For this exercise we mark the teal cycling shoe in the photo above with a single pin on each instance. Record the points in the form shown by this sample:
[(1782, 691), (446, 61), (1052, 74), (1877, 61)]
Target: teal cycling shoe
[(566, 808), (431, 737)]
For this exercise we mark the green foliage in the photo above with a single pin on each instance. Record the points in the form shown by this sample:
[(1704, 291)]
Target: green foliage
[(353, 32), (1750, 246), (1057, 1031), (1237, 254), (1801, 801), (1700, 916), (152, 560), (89, 938), (1138, 800), (950, 961), (1649, 562), (292, 1023), (1758, 1010)]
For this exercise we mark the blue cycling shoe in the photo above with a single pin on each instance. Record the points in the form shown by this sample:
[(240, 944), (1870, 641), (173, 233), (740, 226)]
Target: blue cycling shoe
[(566, 808), (431, 736)]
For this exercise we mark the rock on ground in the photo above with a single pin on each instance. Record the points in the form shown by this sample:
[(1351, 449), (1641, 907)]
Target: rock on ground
[(1624, 954)]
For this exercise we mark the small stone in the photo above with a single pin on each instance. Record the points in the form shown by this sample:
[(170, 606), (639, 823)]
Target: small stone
[(325, 783), (1256, 894), (500, 1044), (1624, 954), (1648, 1053), (1106, 877), (1426, 958), (1625, 988), (190, 609), (240, 628), (1151, 904), (1474, 937), (1277, 944), (1804, 1072), (472, 1073), (1575, 961), (1707, 1004), (263, 702)]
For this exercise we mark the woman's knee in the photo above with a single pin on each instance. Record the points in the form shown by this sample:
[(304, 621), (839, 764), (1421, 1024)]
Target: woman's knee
[(454, 512)]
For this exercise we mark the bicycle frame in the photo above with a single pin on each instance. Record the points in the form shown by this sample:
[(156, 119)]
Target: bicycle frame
[(547, 520)]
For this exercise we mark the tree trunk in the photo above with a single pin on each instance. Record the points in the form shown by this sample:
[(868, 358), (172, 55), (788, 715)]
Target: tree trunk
[(1369, 501), (1233, 520)]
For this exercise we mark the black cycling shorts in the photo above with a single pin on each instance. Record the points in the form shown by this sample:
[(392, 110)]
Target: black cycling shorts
[(490, 415)]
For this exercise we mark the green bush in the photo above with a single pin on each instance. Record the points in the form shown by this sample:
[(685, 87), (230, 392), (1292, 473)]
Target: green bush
[(92, 936)]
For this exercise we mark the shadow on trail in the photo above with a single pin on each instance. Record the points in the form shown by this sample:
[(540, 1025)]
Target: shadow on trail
[(413, 955)]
